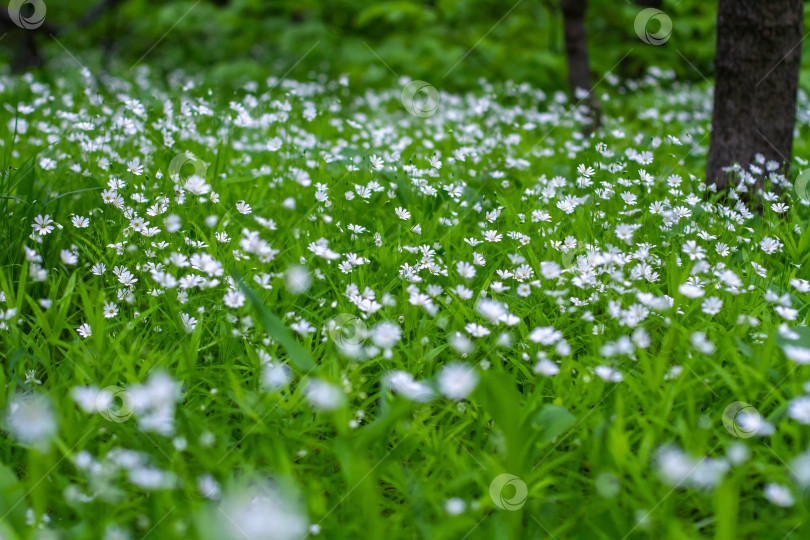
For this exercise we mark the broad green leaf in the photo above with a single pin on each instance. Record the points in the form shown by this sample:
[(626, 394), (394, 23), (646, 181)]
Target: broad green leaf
[(297, 354), (552, 421)]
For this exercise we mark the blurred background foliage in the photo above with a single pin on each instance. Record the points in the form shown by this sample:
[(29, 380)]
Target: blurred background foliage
[(449, 43)]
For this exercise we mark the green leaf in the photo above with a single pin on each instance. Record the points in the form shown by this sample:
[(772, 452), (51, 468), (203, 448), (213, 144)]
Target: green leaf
[(744, 348), (297, 354), (552, 421), (12, 501), (500, 399)]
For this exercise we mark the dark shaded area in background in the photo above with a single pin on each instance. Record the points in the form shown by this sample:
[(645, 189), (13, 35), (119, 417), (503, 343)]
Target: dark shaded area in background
[(450, 43)]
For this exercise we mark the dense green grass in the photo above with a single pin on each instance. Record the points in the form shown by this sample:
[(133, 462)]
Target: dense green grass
[(597, 445)]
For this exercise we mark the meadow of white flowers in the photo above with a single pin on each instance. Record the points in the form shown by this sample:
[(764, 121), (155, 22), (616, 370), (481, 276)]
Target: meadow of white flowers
[(312, 309)]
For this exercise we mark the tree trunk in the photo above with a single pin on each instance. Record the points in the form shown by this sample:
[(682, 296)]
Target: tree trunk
[(756, 80), (27, 55), (576, 50)]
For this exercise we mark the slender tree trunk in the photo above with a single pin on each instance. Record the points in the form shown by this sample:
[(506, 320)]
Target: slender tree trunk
[(658, 4), (97, 11), (756, 80), (27, 55), (576, 49)]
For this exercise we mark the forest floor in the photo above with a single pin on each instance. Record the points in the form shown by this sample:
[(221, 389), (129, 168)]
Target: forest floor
[(310, 310)]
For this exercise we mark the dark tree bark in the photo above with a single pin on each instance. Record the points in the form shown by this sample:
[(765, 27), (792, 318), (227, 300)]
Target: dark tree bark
[(576, 51), (658, 4), (97, 11), (756, 80), (24, 42), (27, 53)]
